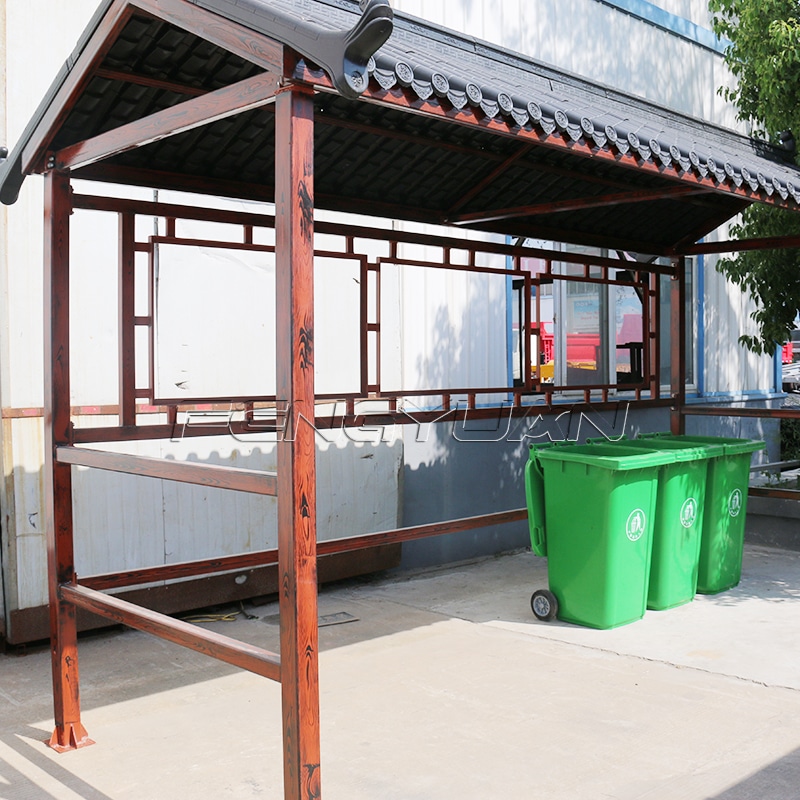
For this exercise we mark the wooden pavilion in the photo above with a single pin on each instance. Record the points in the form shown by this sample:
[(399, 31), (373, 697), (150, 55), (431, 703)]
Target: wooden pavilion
[(345, 106)]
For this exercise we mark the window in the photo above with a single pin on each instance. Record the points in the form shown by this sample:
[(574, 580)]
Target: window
[(589, 323)]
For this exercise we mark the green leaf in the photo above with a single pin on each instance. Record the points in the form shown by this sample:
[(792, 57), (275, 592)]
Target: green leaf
[(764, 58)]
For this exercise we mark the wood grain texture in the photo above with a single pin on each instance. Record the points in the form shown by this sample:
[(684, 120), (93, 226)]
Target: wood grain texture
[(125, 319), (677, 333), (297, 556), (217, 476), (69, 733), (223, 648), (244, 96), (234, 38)]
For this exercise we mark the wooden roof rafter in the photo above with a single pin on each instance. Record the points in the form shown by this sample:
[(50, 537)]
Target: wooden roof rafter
[(261, 50), (403, 98), (580, 203), (244, 96), (146, 80), (742, 245)]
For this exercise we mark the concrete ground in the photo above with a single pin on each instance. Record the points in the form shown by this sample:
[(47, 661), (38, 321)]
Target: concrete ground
[(443, 686)]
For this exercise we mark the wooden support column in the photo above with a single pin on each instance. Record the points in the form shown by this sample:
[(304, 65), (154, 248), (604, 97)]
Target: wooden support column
[(126, 314), (69, 733), (653, 345), (677, 361), (297, 535)]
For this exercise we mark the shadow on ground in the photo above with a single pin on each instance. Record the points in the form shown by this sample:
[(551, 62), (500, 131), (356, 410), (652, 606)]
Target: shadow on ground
[(779, 779)]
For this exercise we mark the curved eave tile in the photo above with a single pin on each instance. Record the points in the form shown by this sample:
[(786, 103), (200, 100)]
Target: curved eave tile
[(547, 116)]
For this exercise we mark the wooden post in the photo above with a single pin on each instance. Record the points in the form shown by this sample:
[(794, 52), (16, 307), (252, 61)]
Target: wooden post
[(677, 307), (126, 301), (69, 733), (653, 337), (297, 535)]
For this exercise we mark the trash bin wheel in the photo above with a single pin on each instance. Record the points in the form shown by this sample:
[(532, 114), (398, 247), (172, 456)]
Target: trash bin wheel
[(544, 605)]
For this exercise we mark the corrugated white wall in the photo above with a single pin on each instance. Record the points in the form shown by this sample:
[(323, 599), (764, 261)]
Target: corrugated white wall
[(729, 367), (126, 521), (440, 328)]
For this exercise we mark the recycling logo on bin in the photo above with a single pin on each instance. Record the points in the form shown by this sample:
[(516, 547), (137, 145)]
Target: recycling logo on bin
[(635, 526), (735, 502), (688, 512)]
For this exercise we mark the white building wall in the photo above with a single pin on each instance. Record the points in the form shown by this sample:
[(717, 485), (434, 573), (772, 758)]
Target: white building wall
[(128, 522), (601, 42), (729, 367), (443, 329)]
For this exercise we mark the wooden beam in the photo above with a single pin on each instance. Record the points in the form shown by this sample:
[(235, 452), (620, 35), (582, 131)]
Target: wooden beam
[(30, 624), (719, 218), (578, 204), (126, 305), (157, 179), (489, 179), (223, 648), (677, 343), (742, 245), (420, 531), (105, 171), (243, 96), (230, 36), (297, 560), (150, 208), (213, 475), (534, 229), (69, 732), (149, 82), (327, 547), (155, 209)]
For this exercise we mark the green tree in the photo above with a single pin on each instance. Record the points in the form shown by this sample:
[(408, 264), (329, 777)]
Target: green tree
[(764, 57)]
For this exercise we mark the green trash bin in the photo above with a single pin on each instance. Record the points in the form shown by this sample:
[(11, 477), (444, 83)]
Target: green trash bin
[(722, 542), (590, 511), (678, 521)]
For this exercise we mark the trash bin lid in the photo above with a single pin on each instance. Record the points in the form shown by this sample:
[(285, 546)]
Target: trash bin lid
[(608, 456), (683, 451), (730, 446)]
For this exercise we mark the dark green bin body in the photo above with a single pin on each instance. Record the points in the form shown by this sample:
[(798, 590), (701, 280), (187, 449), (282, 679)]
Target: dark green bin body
[(722, 542), (678, 522), (591, 510)]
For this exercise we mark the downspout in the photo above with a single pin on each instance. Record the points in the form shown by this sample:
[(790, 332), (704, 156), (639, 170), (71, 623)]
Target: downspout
[(7, 484), (510, 322), (700, 349)]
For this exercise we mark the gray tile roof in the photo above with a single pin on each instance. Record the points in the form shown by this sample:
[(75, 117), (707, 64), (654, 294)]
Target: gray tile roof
[(525, 93), (434, 62), (584, 140)]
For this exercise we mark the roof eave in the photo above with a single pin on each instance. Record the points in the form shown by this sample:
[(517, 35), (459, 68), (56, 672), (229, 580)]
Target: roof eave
[(344, 55)]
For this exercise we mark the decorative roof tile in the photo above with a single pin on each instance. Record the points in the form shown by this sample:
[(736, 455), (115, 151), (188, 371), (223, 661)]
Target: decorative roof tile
[(592, 134)]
